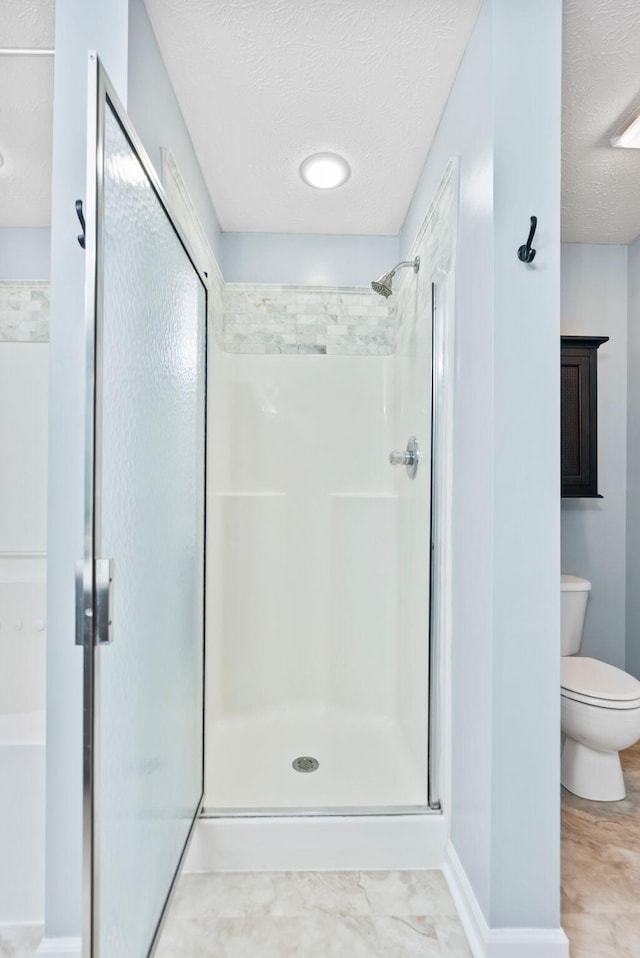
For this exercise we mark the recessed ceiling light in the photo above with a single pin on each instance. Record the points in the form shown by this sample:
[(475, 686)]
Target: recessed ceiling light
[(325, 171), (629, 133)]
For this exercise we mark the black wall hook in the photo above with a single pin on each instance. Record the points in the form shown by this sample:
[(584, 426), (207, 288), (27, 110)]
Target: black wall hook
[(526, 254), (80, 215)]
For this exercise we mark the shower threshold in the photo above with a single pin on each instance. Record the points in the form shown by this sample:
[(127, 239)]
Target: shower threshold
[(347, 812)]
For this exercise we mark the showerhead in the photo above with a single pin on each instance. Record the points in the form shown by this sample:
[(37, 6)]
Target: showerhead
[(383, 285)]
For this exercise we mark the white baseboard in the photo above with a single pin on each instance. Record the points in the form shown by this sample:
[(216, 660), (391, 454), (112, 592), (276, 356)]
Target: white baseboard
[(527, 943), (488, 942), (61, 947), (329, 843)]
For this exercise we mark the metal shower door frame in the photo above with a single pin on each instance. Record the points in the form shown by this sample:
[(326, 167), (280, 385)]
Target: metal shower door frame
[(433, 754), (90, 569), (440, 597)]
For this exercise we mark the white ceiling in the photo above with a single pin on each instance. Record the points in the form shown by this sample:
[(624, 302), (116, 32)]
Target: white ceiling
[(26, 23), (264, 84), (600, 185), (26, 114)]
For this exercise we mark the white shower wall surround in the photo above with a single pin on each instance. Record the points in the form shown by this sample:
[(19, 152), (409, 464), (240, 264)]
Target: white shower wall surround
[(24, 312), (302, 585), (24, 335)]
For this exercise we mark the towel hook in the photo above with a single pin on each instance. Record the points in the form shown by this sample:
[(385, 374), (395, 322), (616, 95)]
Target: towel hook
[(80, 215), (526, 254)]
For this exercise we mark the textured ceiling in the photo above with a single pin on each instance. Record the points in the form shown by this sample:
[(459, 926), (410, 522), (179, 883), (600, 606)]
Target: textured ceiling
[(26, 112), (26, 23), (600, 185), (264, 83)]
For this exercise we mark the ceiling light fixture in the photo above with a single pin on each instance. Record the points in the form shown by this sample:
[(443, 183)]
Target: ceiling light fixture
[(325, 171), (629, 133)]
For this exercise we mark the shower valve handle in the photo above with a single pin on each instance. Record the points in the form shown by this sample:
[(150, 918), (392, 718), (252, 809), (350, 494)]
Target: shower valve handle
[(406, 457)]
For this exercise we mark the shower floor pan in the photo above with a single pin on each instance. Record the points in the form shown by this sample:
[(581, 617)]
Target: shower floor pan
[(362, 763)]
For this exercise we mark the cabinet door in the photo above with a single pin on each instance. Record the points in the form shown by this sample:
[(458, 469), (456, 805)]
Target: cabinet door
[(578, 418)]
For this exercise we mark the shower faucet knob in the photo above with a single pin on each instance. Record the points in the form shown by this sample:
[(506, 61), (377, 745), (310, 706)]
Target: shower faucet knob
[(407, 457)]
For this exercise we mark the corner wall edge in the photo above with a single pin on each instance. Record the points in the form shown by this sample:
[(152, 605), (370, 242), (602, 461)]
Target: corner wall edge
[(486, 942), (62, 947)]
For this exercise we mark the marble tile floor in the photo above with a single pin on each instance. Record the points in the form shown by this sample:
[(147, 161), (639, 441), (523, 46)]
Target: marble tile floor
[(313, 915), (301, 914), (601, 870)]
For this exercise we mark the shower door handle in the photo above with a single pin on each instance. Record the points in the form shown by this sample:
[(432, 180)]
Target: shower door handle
[(407, 457), (100, 630)]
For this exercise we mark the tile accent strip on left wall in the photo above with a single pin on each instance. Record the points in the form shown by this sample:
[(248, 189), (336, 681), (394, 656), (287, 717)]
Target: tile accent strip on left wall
[(24, 311)]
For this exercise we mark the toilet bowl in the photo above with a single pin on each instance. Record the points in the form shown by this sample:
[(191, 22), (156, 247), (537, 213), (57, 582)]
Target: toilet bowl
[(600, 708), (600, 715)]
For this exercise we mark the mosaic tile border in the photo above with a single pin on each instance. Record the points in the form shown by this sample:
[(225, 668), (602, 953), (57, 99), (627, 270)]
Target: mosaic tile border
[(24, 311), (304, 319)]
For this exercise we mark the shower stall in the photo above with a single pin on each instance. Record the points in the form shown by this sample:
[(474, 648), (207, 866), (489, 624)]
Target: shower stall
[(318, 565), (317, 588), (294, 671)]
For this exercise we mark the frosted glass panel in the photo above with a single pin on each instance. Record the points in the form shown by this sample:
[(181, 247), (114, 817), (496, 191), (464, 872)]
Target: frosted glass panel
[(150, 679)]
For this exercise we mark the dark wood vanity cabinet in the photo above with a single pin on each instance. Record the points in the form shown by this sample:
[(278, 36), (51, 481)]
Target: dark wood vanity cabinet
[(579, 415)]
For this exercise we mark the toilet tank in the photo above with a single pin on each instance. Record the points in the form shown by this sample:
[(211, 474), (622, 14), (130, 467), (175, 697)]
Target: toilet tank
[(574, 594)]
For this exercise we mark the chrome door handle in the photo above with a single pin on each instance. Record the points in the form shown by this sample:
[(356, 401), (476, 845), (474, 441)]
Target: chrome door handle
[(408, 457)]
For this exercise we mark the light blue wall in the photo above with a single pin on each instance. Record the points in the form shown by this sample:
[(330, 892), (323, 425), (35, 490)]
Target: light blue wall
[(633, 464), (25, 253), (525, 827), (80, 26), (306, 259), (156, 115), (466, 130), (594, 303), (504, 123)]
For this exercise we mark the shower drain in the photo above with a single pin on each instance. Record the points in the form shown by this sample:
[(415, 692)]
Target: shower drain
[(305, 764)]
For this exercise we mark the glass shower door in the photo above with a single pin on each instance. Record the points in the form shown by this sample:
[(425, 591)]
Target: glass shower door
[(141, 602)]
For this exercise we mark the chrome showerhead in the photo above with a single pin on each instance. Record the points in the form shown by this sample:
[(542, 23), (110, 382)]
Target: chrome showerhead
[(383, 286)]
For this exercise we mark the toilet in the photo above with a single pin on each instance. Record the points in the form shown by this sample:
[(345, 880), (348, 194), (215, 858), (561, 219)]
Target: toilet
[(600, 707)]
